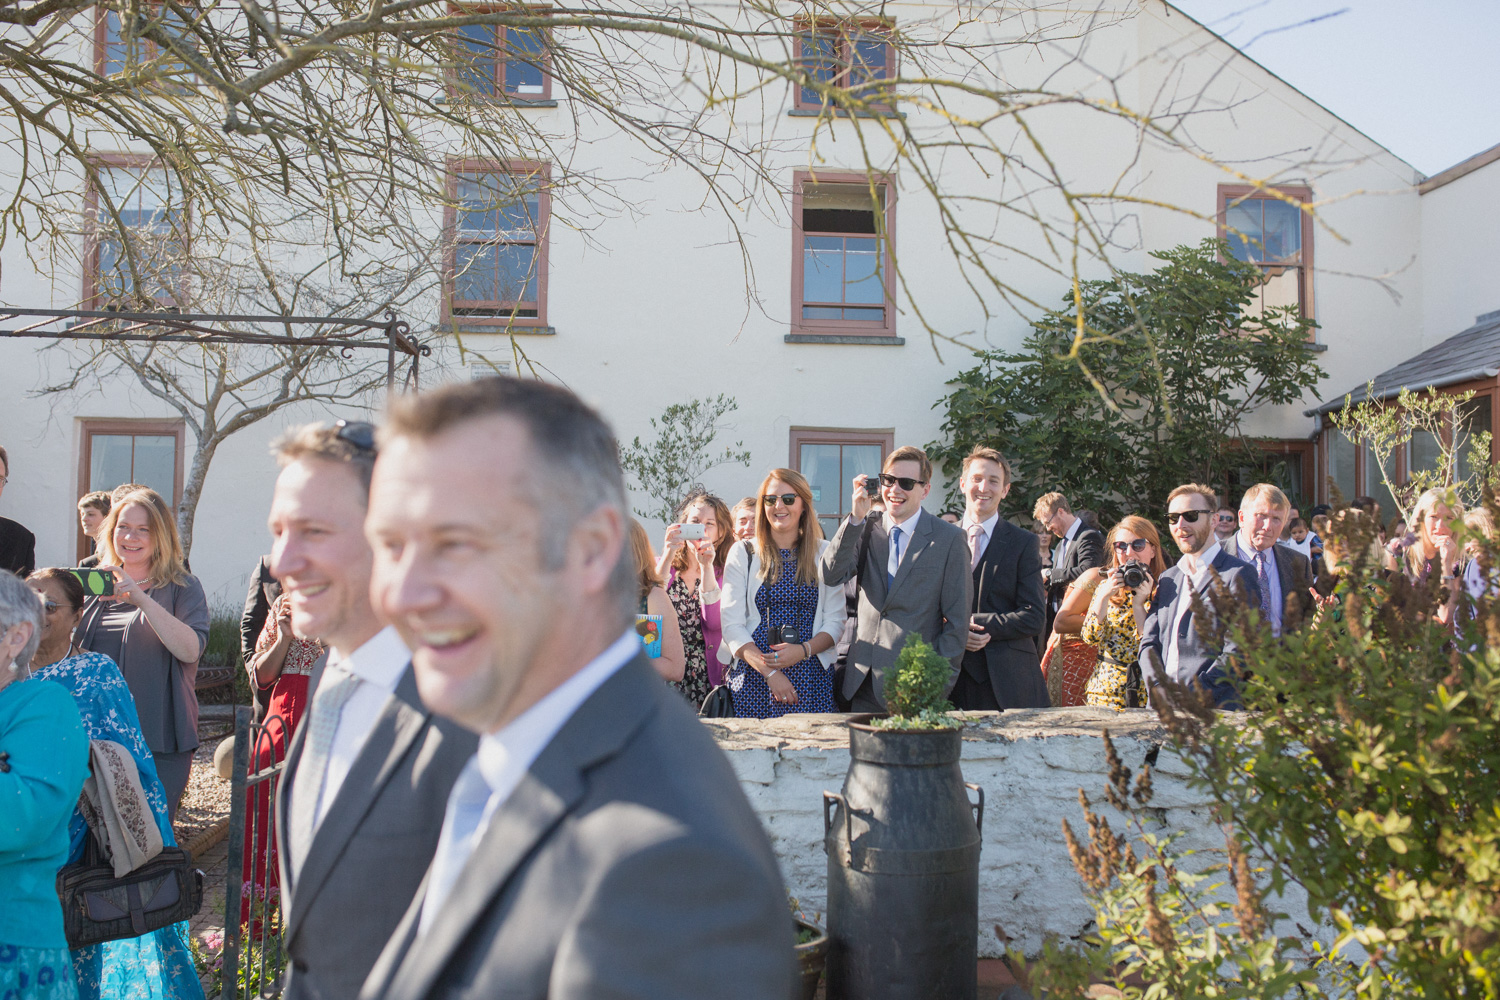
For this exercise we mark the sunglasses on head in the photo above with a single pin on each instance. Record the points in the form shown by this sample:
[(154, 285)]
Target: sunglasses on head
[(902, 481), (357, 433), (1137, 545), (786, 498), (1190, 516)]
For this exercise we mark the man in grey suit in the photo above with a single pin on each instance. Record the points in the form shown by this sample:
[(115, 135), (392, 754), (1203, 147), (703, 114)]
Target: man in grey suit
[(914, 577), (598, 843), (1179, 642), (361, 799), (1282, 574)]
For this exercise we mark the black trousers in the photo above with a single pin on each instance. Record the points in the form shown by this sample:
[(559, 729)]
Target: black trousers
[(863, 700), (974, 695)]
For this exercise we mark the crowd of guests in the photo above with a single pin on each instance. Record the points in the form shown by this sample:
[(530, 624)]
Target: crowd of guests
[(419, 663)]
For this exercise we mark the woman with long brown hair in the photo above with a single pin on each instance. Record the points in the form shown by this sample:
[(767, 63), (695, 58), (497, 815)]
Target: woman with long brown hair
[(692, 572), (780, 622), (154, 626), (1117, 612)]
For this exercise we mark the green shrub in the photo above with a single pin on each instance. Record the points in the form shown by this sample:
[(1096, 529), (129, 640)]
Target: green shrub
[(914, 690)]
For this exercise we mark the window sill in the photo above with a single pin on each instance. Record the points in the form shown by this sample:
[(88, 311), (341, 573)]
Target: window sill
[(869, 340), (841, 113), (508, 102), (500, 328), (1317, 348)]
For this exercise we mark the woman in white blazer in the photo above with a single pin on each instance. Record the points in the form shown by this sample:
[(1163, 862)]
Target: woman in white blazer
[(773, 586)]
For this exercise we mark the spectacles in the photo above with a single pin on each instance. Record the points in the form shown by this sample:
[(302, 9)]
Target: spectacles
[(50, 607), (358, 433), (4, 480), (1137, 545), (902, 481), (1190, 516), (786, 499)]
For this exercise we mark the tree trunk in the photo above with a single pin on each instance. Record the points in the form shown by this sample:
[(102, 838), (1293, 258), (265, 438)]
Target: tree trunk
[(192, 490)]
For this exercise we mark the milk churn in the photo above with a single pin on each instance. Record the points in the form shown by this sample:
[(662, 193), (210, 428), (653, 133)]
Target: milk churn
[(903, 869)]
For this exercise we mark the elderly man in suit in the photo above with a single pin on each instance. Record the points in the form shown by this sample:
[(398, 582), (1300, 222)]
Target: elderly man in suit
[(369, 769), (1178, 641), (1079, 548), (1000, 666), (598, 843), (914, 577), (1282, 574)]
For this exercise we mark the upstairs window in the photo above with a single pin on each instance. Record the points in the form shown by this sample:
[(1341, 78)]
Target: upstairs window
[(495, 61), (119, 51), (1277, 237), (845, 54), (842, 274), (499, 263), (139, 251)]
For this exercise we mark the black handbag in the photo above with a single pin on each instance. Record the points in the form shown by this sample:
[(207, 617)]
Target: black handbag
[(1135, 686), (719, 704), (98, 907)]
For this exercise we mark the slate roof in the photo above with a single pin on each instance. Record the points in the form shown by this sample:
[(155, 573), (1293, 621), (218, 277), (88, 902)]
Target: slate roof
[(1472, 354)]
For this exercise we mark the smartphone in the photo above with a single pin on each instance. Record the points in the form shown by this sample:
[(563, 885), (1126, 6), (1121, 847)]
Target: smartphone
[(691, 533), (96, 582), (872, 486)]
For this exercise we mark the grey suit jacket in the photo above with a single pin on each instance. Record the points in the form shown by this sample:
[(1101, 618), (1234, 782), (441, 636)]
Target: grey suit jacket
[(368, 855), (1293, 572), (1199, 657), (626, 864), (929, 595)]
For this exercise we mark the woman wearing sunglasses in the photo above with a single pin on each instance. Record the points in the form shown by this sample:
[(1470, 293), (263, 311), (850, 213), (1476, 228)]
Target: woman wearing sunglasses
[(773, 585), (1117, 613)]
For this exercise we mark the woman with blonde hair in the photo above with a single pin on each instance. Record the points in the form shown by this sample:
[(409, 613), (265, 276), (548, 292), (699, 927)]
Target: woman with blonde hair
[(154, 626), (780, 622), (653, 601), (1116, 613), (1436, 551), (693, 572)]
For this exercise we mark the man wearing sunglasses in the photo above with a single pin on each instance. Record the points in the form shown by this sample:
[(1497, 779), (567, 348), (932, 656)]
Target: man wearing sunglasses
[(1283, 574), (1178, 641), (914, 577)]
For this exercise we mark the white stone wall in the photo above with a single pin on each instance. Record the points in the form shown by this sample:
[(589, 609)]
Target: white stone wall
[(1030, 764)]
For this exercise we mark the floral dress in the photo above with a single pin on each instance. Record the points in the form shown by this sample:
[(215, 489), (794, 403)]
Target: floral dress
[(694, 685), (1119, 644), (786, 602)]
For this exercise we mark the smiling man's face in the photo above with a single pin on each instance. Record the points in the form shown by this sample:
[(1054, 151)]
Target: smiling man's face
[(984, 486)]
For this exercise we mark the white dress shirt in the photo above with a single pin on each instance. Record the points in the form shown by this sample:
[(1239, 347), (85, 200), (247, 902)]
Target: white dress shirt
[(1250, 554), (504, 757), (379, 664), (1194, 575), (908, 527)]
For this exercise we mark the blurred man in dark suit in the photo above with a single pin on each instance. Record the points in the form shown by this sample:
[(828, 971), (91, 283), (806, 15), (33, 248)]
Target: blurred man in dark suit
[(17, 545)]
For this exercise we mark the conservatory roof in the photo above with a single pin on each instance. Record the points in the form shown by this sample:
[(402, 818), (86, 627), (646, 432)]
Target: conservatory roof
[(1463, 357)]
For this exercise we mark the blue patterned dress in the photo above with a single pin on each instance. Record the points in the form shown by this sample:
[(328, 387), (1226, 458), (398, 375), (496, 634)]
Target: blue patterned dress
[(157, 965), (786, 602)]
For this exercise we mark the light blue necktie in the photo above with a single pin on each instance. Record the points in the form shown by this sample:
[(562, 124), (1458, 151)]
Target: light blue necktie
[(466, 804), (890, 577), (307, 783)]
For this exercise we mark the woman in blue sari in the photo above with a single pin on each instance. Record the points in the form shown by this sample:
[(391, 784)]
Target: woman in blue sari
[(158, 965)]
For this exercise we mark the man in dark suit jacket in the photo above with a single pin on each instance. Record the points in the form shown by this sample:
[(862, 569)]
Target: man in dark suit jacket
[(1079, 548), (914, 577), (17, 545), (1282, 574), (1178, 642), (360, 804), (264, 589), (598, 844), (1000, 667)]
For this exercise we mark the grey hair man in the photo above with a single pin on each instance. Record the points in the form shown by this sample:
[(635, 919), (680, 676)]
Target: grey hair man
[(572, 863), (360, 805), (1282, 574)]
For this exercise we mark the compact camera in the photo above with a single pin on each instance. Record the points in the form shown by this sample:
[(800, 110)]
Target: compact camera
[(872, 486), (783, 633), (1133, 574)]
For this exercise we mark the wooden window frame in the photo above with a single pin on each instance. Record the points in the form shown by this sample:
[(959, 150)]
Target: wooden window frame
[(93, 293), (846, 327), (798, 436), (101, 29), (502, 58), (1228, 193), (1307, 455), (844, 29), (89, 426), (457, 166)]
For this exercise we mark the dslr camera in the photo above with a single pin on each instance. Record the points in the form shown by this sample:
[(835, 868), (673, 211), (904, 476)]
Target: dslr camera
[(1133, 574), (783, 633)]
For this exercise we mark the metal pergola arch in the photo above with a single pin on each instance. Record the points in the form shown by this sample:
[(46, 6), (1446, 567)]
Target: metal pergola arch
[(199, 328)]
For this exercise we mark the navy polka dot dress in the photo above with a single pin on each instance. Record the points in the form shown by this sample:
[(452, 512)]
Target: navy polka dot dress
[(786, 602)]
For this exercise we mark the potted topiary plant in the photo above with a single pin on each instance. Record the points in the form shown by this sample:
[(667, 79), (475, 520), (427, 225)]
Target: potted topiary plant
[(812, 950), (902, 840)]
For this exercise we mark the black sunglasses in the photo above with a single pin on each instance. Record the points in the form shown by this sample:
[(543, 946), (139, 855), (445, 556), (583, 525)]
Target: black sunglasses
[(1138, 545), (1190, 516), (905, 484), (786, 498), (358, 433)]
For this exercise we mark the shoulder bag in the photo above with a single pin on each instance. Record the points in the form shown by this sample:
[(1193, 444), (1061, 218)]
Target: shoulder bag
[(99, 907)]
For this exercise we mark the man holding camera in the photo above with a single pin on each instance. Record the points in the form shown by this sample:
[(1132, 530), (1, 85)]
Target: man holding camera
[(1000, 667), (913, 571), (1181, 639), (1283, 575)]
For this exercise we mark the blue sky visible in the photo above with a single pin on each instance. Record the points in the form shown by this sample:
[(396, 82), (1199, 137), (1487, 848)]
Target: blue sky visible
[(1421, 77)]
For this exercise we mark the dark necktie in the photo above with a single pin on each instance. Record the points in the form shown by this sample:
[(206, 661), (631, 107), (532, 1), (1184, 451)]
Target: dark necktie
[(1265, 586), (890, 577)]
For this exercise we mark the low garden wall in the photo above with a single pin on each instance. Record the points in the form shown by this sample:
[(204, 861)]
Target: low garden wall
[(1030, 763)]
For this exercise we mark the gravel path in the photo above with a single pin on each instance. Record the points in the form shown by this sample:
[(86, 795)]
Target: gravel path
[(206, 800)]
